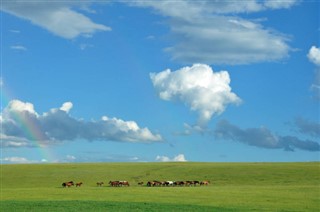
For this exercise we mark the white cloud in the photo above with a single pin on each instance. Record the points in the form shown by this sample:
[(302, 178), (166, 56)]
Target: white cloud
[(70, 158), (314, 55), (66, 106), (19, 47), (57, 17), (16, 160), (279, 4), (21, 125), (204, 33), (200, 88), (177, 158), (19, 106)]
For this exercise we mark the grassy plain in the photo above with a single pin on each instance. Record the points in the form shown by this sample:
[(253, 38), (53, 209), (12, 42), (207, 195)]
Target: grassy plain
[(234, 187)]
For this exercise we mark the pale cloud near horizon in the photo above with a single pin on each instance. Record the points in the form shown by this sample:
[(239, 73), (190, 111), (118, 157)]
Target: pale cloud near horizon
[(199, 87), (177, 158), (14, 159), (22, 126)]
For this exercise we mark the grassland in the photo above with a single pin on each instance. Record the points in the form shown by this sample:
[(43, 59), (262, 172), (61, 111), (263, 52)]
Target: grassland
[(234, 187)]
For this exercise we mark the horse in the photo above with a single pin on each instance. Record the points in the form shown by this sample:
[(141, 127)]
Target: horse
[(168, 183), (206, 182), (114, 183), (195, 182), (67, 184), (140, 183), (79, 184), (179, 183), (124, 183), (156, 183), (100, 184), (189, 183)]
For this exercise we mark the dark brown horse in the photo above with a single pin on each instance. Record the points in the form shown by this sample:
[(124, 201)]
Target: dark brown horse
[(114, 183), (67, 184), (179, 183), (79, 184)]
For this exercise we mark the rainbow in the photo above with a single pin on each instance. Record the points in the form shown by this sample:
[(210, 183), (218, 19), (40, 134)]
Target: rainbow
[(29, 128)]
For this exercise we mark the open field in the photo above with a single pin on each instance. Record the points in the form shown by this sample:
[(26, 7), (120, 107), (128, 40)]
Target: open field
[(234, 187)]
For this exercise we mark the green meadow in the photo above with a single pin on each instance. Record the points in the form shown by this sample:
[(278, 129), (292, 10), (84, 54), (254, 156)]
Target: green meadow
[(233, 187)]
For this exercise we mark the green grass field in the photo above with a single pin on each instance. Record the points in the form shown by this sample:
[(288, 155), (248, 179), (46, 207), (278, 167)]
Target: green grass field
[(234, 187)]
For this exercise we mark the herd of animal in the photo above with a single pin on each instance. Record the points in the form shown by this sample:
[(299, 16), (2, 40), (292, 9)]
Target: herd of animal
[(153, 183)]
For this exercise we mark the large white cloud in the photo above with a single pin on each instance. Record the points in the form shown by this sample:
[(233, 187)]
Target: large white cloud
[(213, 32), (22, 126), (57, 17), (200, 88)]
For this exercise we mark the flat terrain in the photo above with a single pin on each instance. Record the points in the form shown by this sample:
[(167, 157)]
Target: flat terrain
[(233, 187)]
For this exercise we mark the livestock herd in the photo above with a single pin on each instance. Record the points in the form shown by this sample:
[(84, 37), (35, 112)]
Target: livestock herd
[(153, 183)]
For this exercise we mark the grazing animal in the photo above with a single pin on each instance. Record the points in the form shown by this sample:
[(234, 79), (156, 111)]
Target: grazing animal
[(206, 182), (114, 183), (124, 183), (156, 183), (169, 183), (100, 184), (189, 183), (67, 184), (195, 182), (140, 183), (179, 183), (79, 184)]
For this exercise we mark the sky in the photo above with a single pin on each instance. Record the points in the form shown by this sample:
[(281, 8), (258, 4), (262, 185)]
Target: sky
[(154, 81)]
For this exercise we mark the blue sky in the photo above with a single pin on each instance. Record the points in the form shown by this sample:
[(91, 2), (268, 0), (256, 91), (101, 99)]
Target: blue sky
[(145, 81)]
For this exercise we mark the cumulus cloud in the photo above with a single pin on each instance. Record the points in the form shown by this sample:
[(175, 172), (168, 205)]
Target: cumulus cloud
[(262, 137), (214, 32), (57, 17), (22, 125), (199, 87), (314, 55), (178, 158)]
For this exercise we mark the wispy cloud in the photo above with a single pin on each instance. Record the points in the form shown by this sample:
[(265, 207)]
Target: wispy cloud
[(262, 137), (199, 87), (19, 48), (18, 118), (214, 32), (57, 17)]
